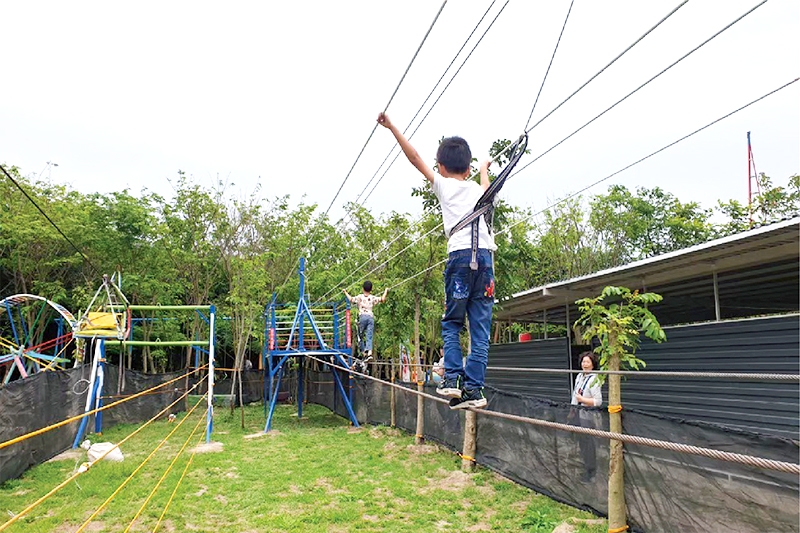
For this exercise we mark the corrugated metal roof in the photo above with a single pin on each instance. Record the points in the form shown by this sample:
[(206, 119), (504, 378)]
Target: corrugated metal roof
[(760, 247)]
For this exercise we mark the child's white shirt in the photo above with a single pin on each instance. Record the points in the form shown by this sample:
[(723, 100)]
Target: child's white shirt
[(458, 199)]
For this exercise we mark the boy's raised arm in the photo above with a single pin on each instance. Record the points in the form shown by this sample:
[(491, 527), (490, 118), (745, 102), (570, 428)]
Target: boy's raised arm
[(411, 153)]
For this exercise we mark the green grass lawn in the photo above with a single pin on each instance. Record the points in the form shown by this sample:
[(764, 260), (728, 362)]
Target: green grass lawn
[(313, 475)]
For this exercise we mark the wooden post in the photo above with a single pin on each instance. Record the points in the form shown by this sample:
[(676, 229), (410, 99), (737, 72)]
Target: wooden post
[(470, 437), (616, 484), (419, 439), (391, 395)]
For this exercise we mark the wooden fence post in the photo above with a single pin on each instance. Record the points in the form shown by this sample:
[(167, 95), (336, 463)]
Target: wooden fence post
[(420, 437), (616, 482), (391, 395), (470, 437)]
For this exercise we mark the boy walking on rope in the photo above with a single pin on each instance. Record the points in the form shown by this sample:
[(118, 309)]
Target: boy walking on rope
[(366, 320), (468, 276)]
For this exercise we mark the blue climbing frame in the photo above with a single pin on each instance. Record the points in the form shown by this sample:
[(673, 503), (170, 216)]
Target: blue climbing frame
[(286, 339)]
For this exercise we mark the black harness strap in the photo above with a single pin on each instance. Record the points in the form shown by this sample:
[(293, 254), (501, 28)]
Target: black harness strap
[(485, 205)]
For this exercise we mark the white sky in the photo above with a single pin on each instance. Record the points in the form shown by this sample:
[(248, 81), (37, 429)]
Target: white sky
[(286, 93)]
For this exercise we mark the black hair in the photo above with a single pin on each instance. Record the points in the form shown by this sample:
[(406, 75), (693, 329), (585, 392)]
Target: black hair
[(592, 356), (454, 155), (368, 286)]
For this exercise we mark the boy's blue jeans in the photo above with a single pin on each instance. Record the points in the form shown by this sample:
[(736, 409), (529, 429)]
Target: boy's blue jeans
[(470, 293), (366, 327)]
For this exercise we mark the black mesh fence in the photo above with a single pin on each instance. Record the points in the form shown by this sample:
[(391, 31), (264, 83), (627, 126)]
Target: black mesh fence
[(665, 491), (46, 398)]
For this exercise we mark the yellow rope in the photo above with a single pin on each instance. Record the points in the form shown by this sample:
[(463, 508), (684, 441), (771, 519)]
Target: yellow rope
[(175, 490), (467, 457), (91, 412), (618, 529), (614, 409), (66, 345), (136, 471), (164, 476), (67, 481)]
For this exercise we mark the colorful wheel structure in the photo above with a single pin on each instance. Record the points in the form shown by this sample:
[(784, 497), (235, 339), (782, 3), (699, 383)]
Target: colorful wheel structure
[(35, 335)]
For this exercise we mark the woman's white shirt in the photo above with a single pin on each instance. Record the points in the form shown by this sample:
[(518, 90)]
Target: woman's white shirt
[(589, 384)]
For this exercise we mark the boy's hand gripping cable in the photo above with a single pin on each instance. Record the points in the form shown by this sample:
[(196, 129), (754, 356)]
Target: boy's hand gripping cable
[(485, 205)]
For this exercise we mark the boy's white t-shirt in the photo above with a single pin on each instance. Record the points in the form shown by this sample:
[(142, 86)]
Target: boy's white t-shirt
[(458, 199)]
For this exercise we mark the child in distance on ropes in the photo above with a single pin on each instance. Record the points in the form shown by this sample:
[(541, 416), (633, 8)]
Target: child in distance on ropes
[(366, 319), (469, 275)]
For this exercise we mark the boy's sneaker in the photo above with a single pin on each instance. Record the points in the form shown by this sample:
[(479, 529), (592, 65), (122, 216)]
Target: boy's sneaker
[(469, 398), (450, 387)]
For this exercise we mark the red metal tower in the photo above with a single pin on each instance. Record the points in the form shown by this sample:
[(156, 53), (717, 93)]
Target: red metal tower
[(752, 178)]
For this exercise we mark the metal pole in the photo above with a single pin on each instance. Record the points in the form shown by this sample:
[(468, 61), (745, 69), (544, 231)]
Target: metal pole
[(716, 296), (212, 334)]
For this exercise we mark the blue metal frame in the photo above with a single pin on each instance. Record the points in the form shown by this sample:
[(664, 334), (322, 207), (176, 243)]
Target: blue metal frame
[(275, 358)]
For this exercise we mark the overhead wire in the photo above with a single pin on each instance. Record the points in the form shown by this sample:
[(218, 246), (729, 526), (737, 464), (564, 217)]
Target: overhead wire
[(440, 96), (552, 57), (387, 105), (527, 130), (593, 184), (422, 106), (615, 104), (417, 128), (728, 26), (587, 82), (50, 220), (397, 88)]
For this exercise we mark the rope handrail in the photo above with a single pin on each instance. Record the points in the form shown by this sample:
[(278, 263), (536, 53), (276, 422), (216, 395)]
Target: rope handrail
[(749, 460), (138, 468), (75, 418), (81, 471), (763, 376)]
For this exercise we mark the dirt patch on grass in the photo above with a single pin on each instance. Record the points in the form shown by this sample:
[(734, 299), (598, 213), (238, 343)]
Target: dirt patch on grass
[(453, 481), (76, 454), (211, 447), (383, 432), (480, 526), (422, 449), (568, 525), (203, 490), (270, 433), (353, 429), (370, 518), (231, 475), (294, 489), (221, 499), (327, 486)]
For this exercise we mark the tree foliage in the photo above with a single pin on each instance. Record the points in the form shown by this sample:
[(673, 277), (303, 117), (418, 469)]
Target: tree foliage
[(208, 245)]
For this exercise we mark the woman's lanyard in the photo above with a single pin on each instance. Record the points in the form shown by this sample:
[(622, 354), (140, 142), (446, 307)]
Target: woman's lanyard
[(586, 379)]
